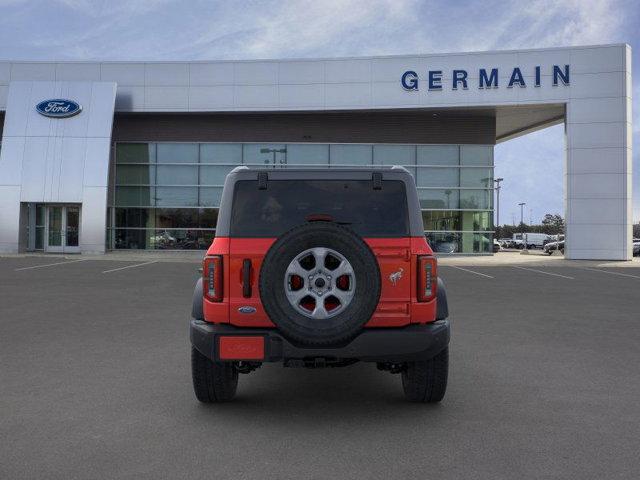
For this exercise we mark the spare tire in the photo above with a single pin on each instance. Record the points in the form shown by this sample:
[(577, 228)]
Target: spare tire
[(319, 284)]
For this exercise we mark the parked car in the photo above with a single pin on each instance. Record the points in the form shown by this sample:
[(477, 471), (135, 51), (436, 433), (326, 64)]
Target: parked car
[(309, 268), (533, 240), (496, 246), (550, 247), (506, 242), (636, 247)]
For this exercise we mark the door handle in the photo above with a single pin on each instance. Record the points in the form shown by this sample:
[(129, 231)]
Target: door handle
[(246, 278)]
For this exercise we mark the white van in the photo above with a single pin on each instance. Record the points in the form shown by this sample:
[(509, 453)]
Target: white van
[(532, 240)]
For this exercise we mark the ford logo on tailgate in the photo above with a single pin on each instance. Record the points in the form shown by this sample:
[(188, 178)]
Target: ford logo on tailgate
[(58, 108)]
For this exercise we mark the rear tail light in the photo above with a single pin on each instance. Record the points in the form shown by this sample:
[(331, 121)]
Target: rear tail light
[(427, 278), (212, 278)]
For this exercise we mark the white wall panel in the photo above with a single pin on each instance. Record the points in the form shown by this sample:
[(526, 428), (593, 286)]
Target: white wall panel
[(5, 73), (77, 72), (301, 96), (300, 72), (166, 98), (347, 71), (96, 170), (211, 98), (256, 73), (129, 74), (166, 74), (256, 96), (9, 213), (33, 71), (206, 74), (11, 156)]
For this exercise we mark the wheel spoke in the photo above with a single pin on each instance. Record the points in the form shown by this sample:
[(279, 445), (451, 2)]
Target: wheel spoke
[(343, 296), (319, 254), (320, 311), (295, 296), (344, 268), (296, 269)]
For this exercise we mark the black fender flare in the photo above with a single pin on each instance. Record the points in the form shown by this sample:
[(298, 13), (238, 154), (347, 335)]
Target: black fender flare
[(197, 310), (442, 307)]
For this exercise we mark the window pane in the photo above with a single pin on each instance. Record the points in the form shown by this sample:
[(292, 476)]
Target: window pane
[(438, 177), (221, 153), (176, 217), (477, 221), (210, 196), (208, 218), (476, 177), (135, 153), (177, 175), (441, 220), (135, 174), (476, 155), (445, 242), (477, 242), (211, 175), (178, 153), (177, 196), (476, 199), (441, 199), (438, 155), (135, 196), (351, 155), (181, 239), (252, 154), (394, 155), (131, 239), (307, 154), (134, 217)]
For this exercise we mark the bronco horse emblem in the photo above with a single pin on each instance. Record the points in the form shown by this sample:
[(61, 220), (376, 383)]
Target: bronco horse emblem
[(395, 276)]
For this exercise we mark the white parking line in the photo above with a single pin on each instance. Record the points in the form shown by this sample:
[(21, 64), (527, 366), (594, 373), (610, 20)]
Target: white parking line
[(130, 266), (49, 265), (610, 273), (470, 271), (545, 273)]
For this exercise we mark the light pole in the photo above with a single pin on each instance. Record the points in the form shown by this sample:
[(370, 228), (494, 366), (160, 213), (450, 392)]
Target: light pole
[(524, 240), (522, 213), (497, 181)]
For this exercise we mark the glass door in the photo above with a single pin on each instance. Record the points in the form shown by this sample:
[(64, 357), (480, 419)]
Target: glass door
[(62, 229), (54, 230), (72, 229)]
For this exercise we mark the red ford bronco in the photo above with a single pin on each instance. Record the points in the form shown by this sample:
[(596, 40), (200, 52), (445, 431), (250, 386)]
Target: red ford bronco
[(319, 268)]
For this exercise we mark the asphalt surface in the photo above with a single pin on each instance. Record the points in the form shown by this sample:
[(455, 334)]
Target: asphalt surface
[(95, 383)]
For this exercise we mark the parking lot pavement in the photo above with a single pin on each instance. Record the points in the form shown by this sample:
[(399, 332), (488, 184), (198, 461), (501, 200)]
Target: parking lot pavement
[(95, 383)]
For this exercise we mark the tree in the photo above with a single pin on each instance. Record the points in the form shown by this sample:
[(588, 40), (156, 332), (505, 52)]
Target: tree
[(553, 220)]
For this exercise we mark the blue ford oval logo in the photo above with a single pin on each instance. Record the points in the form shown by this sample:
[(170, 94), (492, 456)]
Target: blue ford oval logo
[(247, 309), (58, 108)]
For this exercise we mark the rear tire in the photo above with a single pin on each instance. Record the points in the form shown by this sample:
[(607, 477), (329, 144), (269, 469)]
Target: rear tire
[(426, 382), (213, 381)]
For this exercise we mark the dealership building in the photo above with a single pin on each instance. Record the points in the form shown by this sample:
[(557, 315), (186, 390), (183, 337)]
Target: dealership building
[(99, 156)]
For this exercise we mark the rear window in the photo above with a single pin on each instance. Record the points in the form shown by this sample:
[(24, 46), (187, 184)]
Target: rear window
[(287, 203)]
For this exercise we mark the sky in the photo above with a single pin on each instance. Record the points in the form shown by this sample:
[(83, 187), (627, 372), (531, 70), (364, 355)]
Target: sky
[(532, 165)]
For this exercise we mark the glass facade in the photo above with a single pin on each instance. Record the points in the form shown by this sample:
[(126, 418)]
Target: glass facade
[(166, 195)]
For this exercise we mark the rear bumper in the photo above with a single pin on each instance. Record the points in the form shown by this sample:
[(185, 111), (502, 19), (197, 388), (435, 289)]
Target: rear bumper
[(415, 342)]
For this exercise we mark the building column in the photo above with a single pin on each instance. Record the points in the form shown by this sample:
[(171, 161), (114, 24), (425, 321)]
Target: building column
[(598, 206)]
